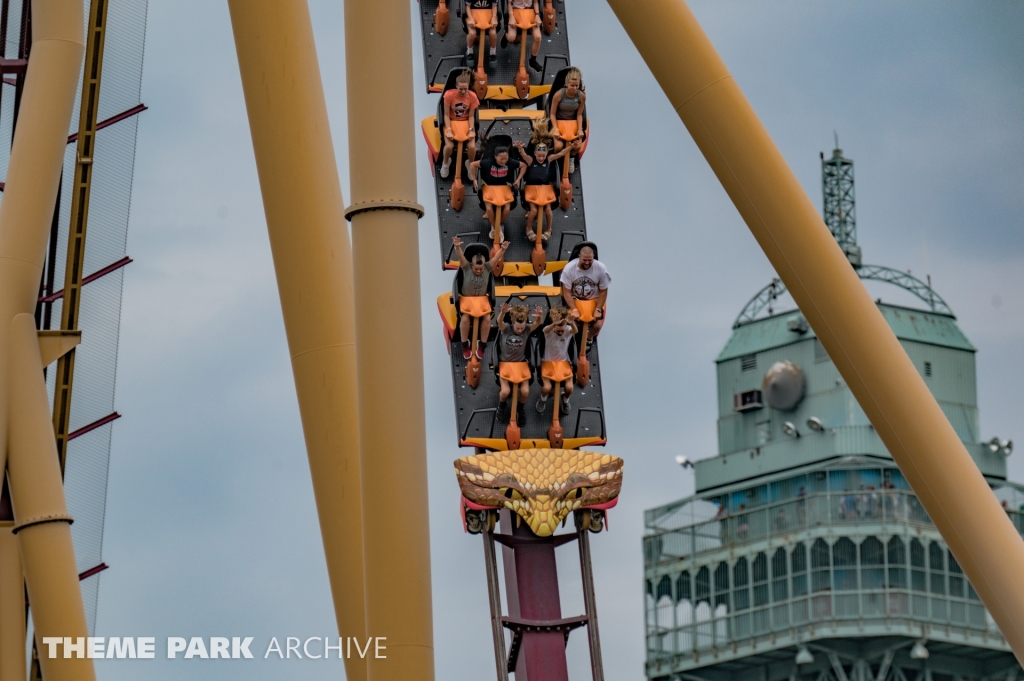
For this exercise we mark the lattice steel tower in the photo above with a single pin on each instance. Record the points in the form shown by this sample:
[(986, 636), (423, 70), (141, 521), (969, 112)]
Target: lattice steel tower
[(804, 555), (840, 209)]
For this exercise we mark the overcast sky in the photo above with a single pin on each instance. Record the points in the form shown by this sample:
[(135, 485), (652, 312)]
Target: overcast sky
[(211, 527)]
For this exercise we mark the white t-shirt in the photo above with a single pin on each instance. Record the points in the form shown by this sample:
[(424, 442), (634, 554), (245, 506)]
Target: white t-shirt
[(585, 284), (556, 348)]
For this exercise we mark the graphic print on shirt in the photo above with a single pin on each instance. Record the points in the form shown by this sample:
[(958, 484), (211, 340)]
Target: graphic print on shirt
[(584, 288), (460, 109)]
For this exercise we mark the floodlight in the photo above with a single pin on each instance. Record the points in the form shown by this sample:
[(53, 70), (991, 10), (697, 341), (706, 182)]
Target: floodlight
[(804, 656), (993, 445), (789, 429), (684, 462), (1008, 448), (814, 423), (919, 652)]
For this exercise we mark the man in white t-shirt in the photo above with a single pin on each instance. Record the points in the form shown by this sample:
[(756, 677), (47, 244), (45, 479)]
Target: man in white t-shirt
[(586, 278)]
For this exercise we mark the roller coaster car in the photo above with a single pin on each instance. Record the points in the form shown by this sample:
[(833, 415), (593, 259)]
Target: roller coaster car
[(443, 51), (477, 307), (476, 408), (568, 132), (567, 229)]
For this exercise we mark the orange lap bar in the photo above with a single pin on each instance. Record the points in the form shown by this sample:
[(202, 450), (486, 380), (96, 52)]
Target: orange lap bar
[(525, 18), (460, 130), (514, 372), (842, 313), (497, 194), (586, 309), (540, 194), (483, 18), (568, 130), (556, 371), (474, 306)]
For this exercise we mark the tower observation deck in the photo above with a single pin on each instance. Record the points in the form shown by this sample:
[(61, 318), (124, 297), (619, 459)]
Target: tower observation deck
[(804, 554)]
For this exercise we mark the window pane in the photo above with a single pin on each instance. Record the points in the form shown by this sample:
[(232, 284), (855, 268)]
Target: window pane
[(683, 586), (916, 553), (703, 585), (722, 585), (897, 552), (799, 585), (798, 558)]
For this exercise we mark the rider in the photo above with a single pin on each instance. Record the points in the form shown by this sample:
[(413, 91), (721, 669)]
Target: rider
[(476, 281), (555, 363), (512, 365), (540, 179), (567, 105), (525, 12), (459, 105), (586, 278), (497, 199), (473, 17)]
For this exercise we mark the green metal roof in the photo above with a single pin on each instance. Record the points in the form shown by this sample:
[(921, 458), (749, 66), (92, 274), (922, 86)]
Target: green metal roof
[(908, 325)]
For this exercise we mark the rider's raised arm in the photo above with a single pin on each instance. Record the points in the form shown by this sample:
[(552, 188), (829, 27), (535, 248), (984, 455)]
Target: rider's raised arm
[(499, 255), (457, 242), (501, 317), (538, 318)]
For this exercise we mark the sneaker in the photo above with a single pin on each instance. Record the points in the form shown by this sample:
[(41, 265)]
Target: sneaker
[(503, 411), (470, 60), (572, 165), (492, 59), (480, 346), (565, 406), (535, 65), (444, 169), (466, 352), (542, 404), (521, 414), (504, 40)]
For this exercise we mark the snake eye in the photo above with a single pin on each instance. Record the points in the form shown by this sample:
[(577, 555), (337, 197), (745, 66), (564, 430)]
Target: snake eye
[(510, 493)]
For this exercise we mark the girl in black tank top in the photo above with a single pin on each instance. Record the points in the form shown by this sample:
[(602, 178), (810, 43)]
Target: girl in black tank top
[(541, 170)]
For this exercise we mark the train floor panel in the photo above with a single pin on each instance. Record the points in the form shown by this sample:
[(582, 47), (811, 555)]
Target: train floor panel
[(471, 226), (476, 408), (442, 53)]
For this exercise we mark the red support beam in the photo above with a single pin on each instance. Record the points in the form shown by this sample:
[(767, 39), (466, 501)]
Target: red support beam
[(113, 267), (114, 119), (93, 426), (92, 571)]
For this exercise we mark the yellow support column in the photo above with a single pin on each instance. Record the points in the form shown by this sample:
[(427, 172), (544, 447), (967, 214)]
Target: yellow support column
[(27, 446), (312, 258), (384, 214), (12, 607), (835, 302)]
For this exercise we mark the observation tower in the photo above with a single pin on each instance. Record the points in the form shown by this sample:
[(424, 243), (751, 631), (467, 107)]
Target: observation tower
[(803, 553)]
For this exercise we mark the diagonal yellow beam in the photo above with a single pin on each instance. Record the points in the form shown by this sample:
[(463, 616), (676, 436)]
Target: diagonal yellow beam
[(302, 201), (835, 302)]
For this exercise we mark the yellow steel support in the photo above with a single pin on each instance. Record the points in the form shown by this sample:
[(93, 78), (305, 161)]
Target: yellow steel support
[(12, 607), (312, 258), (392, 428), (81, 189), (835, 302), (41, 521)]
